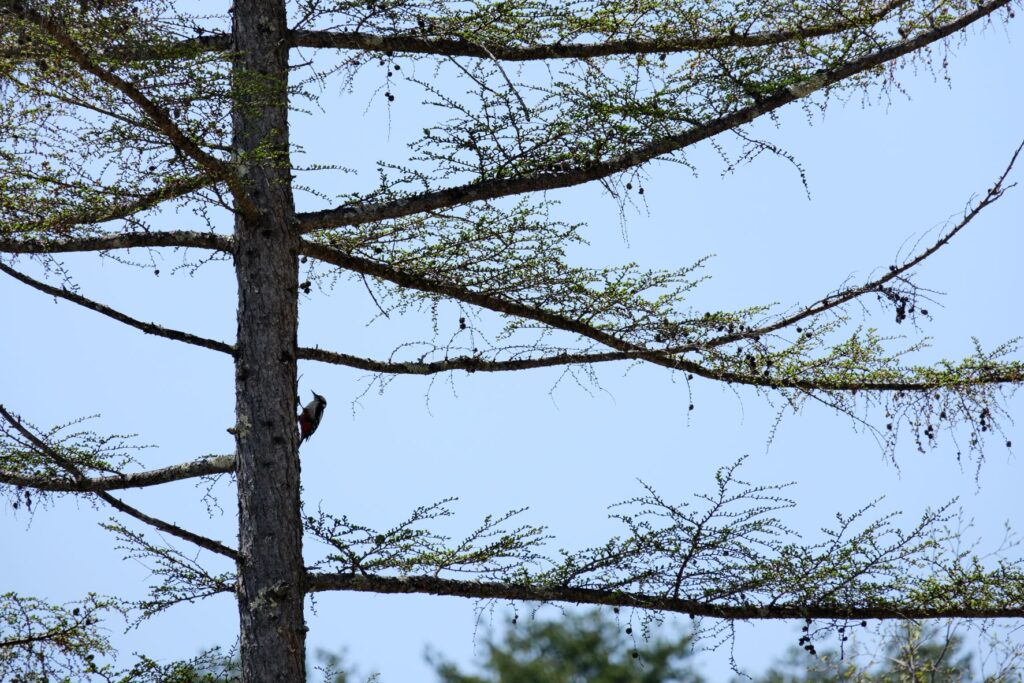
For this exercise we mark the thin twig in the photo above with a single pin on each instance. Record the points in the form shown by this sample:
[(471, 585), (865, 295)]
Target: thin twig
[(76, 472)]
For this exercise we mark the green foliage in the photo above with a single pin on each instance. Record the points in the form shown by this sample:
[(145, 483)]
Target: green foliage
[(91, 453), (728, 553), (183, 578), (211, 666), (43, 642), (111, 110), (77, 153), (519, 254), (491, 551)]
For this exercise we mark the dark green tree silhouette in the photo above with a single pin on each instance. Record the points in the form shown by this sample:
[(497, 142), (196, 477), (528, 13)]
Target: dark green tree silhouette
[(591, 647), (911, 653), (581, 647)]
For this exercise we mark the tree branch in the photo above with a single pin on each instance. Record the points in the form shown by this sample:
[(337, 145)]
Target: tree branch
[(217, 168), (219, 464), (670, 358), (356, 214), (56, 633), (455, 47), (467, 363), (509, 591), (167, 527), (148, 328), (424, 283), (126, 240), (59, 634), (116, 503), (90, 215), (470, 363), (992, 195), (475, 364)]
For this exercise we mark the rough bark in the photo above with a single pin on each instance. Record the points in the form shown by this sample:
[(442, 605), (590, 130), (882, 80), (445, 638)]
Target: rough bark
[(270, 590)]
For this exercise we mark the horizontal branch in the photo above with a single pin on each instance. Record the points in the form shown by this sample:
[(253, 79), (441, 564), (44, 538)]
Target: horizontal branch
[(71, 468), (219, 464), (212, 42), (411, 43), (92, 215), (467, 363), (664, 357), (60, 634), (670, 358), (460, 47), (314, 354), (148, 328), (498, 304), (125, 240), (587, 596), (356, 214)]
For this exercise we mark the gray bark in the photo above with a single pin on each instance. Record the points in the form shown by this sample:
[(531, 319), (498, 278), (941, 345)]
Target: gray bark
[(270, 586)]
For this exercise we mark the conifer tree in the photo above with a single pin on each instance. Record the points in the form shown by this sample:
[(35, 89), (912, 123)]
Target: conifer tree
[(114, 112)]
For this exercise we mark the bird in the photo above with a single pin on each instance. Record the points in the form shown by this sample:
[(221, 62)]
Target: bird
[(309, 418)]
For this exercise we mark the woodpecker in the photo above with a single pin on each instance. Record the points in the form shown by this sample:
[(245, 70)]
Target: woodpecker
[(309, 418)]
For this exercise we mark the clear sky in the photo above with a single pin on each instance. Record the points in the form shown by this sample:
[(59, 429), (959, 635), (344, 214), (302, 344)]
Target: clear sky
[(881, 171)]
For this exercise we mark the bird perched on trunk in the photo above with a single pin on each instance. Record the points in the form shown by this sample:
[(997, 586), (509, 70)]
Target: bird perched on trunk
[(309, 418)]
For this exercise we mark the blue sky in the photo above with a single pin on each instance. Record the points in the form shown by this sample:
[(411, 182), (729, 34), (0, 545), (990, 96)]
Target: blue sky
[(881, 171)]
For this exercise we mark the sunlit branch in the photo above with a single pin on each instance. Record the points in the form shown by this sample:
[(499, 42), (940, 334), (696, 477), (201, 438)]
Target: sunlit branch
[(189, 470), (584, 596), (356, 214), (125, 240), (116, 503), (90, 216), (148, 328), (160, 118)]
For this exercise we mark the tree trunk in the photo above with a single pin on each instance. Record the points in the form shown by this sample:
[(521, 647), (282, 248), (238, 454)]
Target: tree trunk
[(270, 583)]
